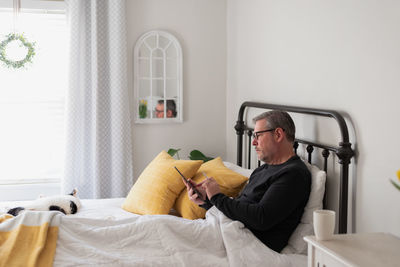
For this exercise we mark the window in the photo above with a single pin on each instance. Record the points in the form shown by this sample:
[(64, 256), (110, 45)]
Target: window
[(158, 78), (32, 100)]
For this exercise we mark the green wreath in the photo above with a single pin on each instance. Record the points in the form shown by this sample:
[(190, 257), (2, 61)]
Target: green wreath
[(19, 63)]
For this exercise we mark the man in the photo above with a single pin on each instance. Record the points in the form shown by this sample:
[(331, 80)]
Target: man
[(272, 203), (171, 109)]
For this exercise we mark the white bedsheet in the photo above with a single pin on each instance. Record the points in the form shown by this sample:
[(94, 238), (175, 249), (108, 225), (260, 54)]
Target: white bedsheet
[(103, 234)]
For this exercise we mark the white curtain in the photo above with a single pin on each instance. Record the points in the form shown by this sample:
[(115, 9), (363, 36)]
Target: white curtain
[(98, 150)]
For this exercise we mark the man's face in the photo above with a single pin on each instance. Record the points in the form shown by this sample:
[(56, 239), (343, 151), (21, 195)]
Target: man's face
[(264, 143), (160, 111)]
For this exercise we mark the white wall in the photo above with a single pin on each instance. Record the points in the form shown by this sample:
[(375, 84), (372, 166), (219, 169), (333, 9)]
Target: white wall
[(200, 27), (342, 55)]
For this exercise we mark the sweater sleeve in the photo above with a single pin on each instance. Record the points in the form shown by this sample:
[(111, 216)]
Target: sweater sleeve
[(207, 204), (279, 201)]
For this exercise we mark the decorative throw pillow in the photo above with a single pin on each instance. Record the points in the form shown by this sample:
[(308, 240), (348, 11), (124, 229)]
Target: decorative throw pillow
[(230, 182), (158, 186)]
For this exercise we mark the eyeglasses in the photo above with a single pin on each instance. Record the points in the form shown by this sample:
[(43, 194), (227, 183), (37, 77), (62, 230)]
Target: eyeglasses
[(257, 134), (159, 111)]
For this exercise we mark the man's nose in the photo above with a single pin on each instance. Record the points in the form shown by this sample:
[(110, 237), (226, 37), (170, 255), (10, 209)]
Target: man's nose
[(254, 142)]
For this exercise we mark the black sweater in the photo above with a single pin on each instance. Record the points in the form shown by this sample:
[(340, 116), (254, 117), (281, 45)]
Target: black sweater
[(272, 203)]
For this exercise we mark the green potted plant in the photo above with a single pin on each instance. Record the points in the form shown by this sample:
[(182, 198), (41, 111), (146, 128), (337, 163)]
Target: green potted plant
[(193, 155), (143, 109)]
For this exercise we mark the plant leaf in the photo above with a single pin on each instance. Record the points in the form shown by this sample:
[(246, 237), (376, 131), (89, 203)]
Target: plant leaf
[(395, 184), (197, 155), (173, 151)]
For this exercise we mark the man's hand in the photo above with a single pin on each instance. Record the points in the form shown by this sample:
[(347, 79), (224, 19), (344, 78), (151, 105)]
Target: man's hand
[(211, 187), (193, 196)]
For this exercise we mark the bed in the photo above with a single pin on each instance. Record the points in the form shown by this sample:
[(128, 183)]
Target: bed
[(104, 234)]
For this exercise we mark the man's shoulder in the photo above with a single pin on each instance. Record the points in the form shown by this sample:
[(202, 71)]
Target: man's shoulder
[(296, 167), (259, 168), (296, 163)]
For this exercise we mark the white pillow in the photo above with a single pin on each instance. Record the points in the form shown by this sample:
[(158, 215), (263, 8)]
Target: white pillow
[(318, 178), (296, 244), (238, 169)]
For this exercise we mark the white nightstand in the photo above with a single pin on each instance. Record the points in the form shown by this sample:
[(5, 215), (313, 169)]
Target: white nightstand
[(367, 249)]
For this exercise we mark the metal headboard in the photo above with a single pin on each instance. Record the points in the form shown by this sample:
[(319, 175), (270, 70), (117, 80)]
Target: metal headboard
[(343, 151)]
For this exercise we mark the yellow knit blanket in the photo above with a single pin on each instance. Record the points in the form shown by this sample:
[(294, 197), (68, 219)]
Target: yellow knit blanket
[(29, 239)]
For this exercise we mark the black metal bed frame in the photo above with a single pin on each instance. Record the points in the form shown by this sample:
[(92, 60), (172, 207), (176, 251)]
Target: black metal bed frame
[(343, 151)]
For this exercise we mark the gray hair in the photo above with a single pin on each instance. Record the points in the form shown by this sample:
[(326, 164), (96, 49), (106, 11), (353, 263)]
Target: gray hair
[(170, 106), (279, 119)]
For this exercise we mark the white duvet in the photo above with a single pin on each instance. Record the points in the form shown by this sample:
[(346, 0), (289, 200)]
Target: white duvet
[(105, 235)]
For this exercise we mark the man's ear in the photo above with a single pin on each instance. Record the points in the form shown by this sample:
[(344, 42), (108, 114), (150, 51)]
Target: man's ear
[(279, 134)]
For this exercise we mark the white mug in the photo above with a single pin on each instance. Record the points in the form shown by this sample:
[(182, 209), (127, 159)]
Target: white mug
[(324, 224)]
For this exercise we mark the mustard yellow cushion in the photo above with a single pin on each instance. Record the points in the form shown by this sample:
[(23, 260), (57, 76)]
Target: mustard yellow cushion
[(230, 183), (159, 185)]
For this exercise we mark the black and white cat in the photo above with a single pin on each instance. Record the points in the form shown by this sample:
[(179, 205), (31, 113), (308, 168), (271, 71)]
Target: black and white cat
[(67, 204)]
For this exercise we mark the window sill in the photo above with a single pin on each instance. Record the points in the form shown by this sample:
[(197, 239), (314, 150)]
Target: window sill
[(29, 181), (29, 191)]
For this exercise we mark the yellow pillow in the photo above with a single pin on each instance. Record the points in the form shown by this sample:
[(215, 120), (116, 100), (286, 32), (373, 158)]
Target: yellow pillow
[(159, 185), (230, 183)]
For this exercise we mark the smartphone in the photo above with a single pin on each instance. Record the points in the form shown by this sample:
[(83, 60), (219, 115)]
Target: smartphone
[(186, 181)]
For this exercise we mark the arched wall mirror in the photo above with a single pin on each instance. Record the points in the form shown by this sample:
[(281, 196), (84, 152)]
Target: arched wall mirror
[(158, 78)]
